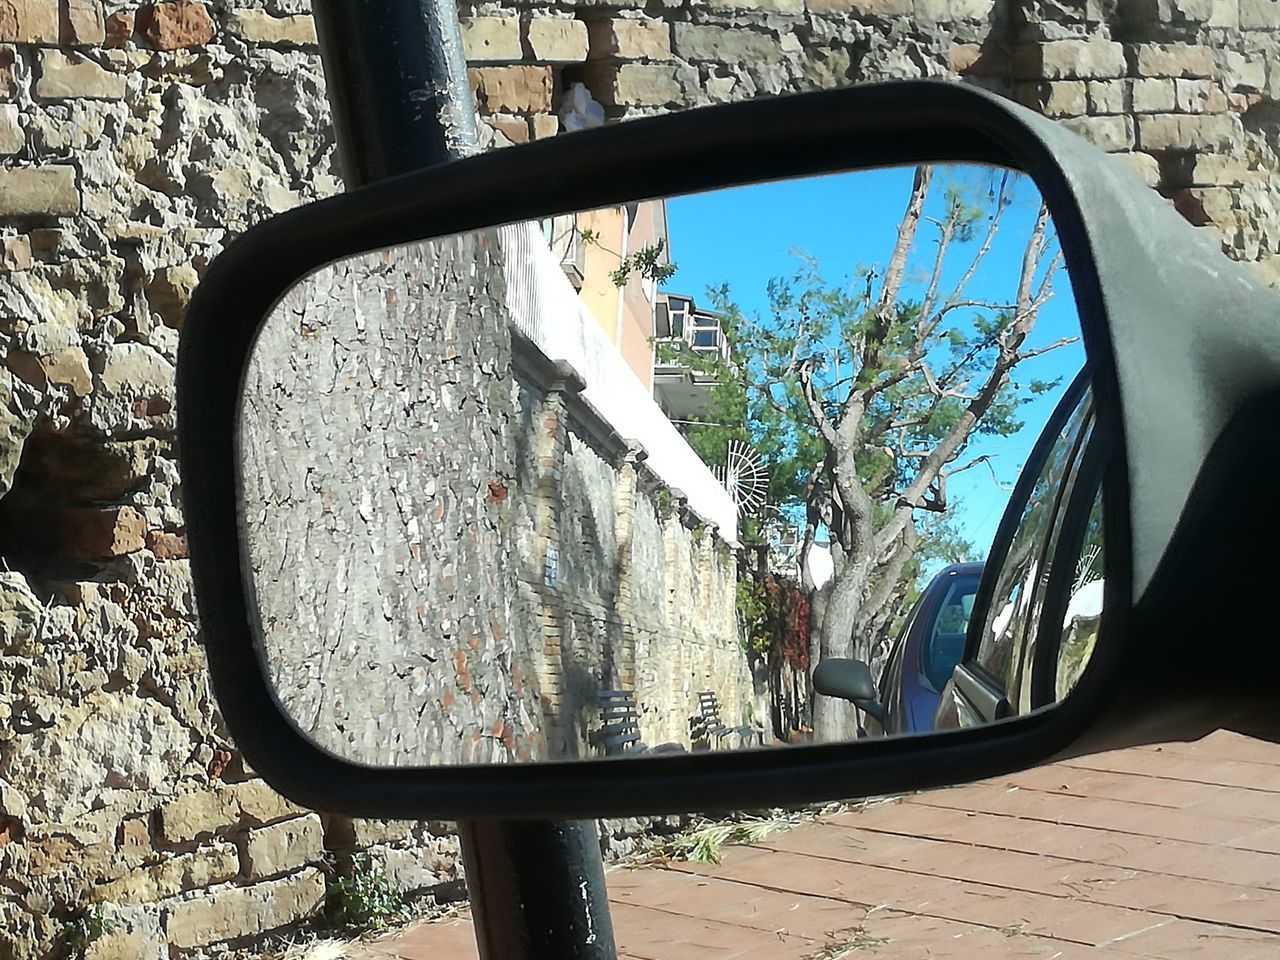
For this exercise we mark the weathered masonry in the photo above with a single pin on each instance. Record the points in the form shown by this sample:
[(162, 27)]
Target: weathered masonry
[(137, 138), (451, 558)]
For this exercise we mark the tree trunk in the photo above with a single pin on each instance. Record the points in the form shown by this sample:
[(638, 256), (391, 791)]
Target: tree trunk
[(817, 611), (835, 719)]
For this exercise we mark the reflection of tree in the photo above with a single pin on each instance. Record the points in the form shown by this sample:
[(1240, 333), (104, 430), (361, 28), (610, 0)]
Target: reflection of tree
[(864, 395)]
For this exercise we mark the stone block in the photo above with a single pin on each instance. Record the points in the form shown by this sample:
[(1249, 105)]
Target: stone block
[(1173, 60), (979, 60), (167, 546), (10, 72), (106, 532), (227, 912), (1200, 96), (134, 934), (544, 125), (636, 84), (1244, 74), (257, 804), (1202, 206), (30, 21), (282, 847), (1153, 95), (1063, 98), (724, 44), (557, 40), (15, 253), (196, 816), (1108, 133), (871, 8), (212, 863), (12, 137), (70, 368), (66, 76), (133, 839), (1259, 14), (645, 39), (48, 191), (1204, 170), (516, 89), (1182, 132), (368, 833), (257, 26), (1143, 164), (1109, 96), (119, 28), (492, 39), (83, 24), (1095, 59), (179, 25), (974, 11), (793, 7), (136, 369), (410, 870), (1220, 170), (1224, 13), (515, 129)]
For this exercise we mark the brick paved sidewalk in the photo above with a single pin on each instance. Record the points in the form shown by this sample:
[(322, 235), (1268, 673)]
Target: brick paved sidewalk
[(1166, 852)]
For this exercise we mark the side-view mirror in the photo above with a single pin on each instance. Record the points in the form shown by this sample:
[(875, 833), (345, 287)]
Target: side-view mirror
[(498, 472), (850, 680)]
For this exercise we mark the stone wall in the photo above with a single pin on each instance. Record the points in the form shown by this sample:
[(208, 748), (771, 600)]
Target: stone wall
[(632, 591), (445, 557), (138, 138), (1182, 90)]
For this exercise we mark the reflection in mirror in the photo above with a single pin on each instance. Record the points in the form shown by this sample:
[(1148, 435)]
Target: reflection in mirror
[(615, 482)]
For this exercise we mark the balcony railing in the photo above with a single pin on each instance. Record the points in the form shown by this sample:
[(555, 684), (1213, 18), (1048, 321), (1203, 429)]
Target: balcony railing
[(700, 332)]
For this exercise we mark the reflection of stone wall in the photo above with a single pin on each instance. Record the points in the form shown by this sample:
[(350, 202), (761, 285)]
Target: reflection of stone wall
[(377, 454), (394, 496), (637, 596)]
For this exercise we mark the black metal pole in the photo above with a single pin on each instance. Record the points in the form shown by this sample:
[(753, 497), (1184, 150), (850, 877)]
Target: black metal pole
[(397, 86), (537, 890)]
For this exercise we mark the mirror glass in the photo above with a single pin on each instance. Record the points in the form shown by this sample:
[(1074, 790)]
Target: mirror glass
[(619, 482)]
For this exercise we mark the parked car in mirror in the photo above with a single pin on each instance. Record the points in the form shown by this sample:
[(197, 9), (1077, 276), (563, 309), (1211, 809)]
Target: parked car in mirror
[(920, 662)]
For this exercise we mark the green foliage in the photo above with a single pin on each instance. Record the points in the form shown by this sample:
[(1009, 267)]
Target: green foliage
[(365, 899), (774, 612), (647, 261), (911, 369), (703, 846), (87, 927)]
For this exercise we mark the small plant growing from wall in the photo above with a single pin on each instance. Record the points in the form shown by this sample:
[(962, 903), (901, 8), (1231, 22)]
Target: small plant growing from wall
[(364, 899), (86, 927)]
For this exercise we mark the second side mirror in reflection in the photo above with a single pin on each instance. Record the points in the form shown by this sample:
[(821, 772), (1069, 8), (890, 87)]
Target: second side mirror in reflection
[(848, 679)]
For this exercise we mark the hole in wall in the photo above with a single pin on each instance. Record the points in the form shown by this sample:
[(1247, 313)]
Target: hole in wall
[(51, 526)]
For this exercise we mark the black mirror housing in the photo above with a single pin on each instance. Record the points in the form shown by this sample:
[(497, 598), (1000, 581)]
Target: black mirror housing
[(1142, 312), (845, 678)]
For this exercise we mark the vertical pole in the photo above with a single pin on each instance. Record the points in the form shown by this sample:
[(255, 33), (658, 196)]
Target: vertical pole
[(397, 87)]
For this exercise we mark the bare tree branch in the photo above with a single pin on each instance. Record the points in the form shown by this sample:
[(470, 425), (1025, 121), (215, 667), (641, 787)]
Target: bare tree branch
[(1009, 343), (993, 225)]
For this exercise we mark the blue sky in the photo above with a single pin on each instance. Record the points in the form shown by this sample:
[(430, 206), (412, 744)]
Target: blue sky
[(746, 236)]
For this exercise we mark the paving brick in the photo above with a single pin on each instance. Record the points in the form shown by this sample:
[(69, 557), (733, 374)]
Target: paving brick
[(998, 870)]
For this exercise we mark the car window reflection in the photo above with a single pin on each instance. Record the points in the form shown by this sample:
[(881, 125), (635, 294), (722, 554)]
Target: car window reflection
[(1002, 634), (1084, 609)]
